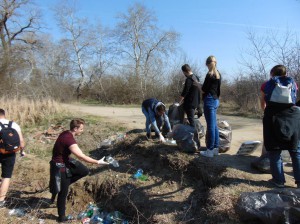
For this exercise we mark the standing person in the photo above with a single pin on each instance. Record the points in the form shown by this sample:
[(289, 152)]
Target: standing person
[(64, 170), (190, 96), (211, 94), (8, 160), (155, 113), (281, 124)]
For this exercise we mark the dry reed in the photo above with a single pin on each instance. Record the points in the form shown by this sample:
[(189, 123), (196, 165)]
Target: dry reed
[(29, 112)]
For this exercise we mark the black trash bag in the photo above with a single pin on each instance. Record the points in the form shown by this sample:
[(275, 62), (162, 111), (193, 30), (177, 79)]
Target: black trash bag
[(175, 114), (185, 138), (225, 136), (274, 206), (262, 164)]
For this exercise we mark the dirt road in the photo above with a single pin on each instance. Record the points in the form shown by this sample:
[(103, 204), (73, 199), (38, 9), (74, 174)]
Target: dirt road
[(244, 129)]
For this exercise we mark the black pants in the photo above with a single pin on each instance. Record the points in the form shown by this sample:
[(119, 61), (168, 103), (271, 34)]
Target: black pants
[(78, 170), (190, 113)]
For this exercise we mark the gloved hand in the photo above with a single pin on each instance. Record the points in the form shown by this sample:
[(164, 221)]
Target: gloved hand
[(161, 138), (102, 162)]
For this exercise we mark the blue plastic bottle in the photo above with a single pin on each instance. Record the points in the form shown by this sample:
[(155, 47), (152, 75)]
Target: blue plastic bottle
[(138, 174)]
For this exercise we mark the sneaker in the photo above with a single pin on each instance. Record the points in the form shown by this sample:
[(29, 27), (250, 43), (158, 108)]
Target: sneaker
[(216, 151), (148, 135), (2, 204), (279, 185), (207, 153)]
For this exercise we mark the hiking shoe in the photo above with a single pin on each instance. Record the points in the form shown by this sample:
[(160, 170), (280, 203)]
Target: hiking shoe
[(216, 151), (279, 185), (2, 204), (207, 153), (67, 219)]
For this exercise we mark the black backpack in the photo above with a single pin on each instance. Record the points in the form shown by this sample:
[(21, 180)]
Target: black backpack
[(9, 139)]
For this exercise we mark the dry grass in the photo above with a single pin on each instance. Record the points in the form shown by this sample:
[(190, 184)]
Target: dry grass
[(30, 112)]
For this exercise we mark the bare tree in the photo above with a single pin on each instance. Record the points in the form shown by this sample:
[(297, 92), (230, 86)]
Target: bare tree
[(18, 25), (142, 45), (265, 52), (77, 39)]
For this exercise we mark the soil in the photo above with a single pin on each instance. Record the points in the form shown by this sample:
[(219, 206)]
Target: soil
[(181, 187)]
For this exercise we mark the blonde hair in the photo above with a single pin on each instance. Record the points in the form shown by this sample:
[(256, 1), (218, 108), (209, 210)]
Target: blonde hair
[(213, 69)]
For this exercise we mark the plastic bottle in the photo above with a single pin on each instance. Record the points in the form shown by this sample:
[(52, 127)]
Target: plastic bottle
[(138, 174), (112, 161), (82, 215), (17, 212), (170, 141)]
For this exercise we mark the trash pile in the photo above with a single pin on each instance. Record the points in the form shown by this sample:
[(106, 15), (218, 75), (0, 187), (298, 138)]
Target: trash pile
[(106, 143), (50, 134), (94, 215)]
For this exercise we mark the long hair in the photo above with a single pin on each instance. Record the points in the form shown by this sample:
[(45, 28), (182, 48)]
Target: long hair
[(213, 69)]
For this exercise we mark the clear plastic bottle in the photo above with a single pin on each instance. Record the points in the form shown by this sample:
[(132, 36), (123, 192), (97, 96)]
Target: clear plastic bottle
[(17, 212), (112, 161), (170, 141)]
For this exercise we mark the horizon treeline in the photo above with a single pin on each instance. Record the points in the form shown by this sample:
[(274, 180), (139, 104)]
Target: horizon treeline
[(123, 64)]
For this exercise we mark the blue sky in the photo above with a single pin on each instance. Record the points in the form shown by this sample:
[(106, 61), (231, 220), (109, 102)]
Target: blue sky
[(215, 27)]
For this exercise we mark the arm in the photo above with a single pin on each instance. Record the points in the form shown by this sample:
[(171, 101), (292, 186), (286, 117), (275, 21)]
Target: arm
[(80, 155), (22, 142), (262, 100), (187, 86), (167, 122), (153, 120)]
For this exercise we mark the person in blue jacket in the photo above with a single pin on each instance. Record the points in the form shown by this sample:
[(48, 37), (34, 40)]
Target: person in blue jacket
[(155, 113)]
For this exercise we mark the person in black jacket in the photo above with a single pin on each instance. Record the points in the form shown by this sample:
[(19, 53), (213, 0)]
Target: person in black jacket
[(211, 94), (281, 129), (190, 96)]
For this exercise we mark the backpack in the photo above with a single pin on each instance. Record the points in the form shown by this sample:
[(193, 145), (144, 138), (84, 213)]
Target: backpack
[(281, 89), (9, 139)]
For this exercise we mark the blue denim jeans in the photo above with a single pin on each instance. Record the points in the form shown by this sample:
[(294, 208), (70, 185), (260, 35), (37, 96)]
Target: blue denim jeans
[(277, 166), (210, 112)]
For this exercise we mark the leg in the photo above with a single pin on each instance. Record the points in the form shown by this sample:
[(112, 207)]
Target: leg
[(4, 188), (78, 171), (210, 117), (295, 156), (217, 136), (148, 121), (276, 166), (7, 166), (190, 113), (62, 196)]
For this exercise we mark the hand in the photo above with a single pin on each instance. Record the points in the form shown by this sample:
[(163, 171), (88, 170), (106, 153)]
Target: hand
[(22, 153), (161, 138), (102, 162)]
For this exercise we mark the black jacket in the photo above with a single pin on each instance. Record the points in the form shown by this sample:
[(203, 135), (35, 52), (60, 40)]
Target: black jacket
[(212, 85), (281, 128), (191, 93)]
